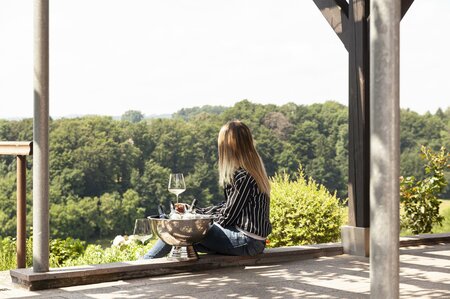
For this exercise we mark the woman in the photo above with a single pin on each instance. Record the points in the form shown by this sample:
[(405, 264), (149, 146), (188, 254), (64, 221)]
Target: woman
[(243, 223)]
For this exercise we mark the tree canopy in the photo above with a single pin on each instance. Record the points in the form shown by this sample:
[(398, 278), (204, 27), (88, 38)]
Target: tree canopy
[(104, 173)]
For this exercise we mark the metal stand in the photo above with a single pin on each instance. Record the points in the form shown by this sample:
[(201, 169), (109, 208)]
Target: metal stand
[(183, 253)]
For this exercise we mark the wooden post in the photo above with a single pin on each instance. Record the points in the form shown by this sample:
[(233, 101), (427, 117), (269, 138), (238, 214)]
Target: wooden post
[(350, 21), (21, 211), (359, 118)]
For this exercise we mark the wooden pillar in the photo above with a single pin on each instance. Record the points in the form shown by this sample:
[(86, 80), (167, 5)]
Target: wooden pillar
[(355, 236), (350, 21), (359, 118), (21, 210)]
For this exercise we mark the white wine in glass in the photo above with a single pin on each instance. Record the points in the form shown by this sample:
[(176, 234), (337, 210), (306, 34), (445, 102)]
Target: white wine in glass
[(176, 184), (142, 230)]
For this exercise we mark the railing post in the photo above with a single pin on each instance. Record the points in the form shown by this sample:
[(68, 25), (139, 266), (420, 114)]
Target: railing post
[(21, 211), (20, 149)]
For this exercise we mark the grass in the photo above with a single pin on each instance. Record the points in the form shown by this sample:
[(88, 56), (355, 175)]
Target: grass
[(444, 210), (445, 204)]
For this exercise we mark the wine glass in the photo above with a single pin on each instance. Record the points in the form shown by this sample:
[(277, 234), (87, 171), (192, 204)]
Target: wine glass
[(142, 230), (176, 184)]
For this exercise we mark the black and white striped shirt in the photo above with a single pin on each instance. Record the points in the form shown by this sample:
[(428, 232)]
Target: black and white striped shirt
[(246, 207)]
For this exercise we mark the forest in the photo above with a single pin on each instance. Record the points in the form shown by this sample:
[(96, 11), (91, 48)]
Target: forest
[(106, 172)]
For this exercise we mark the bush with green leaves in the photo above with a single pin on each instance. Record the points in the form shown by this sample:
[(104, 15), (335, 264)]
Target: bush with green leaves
[(73, 252), (95, 254), (303, 212), (8, 258), (419, 198), (62, 250), (7, 253)]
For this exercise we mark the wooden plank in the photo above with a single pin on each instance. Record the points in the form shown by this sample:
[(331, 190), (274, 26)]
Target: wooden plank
[(62, 277), (16, 148), (70, 276), (425, 239), (336, 14)]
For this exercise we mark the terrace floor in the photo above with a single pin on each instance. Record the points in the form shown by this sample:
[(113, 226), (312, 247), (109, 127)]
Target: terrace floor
[(424, 273)]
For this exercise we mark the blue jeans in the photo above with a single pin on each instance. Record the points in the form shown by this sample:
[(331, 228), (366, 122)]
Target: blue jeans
[(228, 241)]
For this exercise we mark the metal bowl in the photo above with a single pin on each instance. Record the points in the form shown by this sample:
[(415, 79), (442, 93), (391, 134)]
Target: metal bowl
[(182, 234)]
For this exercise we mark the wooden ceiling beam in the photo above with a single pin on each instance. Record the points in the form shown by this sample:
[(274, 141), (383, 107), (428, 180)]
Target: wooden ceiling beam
[(405, 5), (336, 14)]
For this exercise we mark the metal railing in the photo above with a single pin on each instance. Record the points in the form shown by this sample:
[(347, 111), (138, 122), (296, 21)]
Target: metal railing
[(20, 149)]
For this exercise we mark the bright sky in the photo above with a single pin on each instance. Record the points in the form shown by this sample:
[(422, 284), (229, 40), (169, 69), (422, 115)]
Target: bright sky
[(158, 56)]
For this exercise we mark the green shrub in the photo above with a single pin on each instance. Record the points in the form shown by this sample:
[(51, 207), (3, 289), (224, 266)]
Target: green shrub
[(7, 253), (303, 212), (62, 250), (419, 198), (8, 258), (73, 252), (95, 254)]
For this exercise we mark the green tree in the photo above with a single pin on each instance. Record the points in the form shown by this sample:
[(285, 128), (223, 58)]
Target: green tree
[(189, 113), (151, 185), (90, 156), (100, 167), (7, 200), (132, 116), (77, 218)]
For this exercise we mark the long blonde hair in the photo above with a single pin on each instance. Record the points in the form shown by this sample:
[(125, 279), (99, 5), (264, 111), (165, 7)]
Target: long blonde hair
[(237, 149)]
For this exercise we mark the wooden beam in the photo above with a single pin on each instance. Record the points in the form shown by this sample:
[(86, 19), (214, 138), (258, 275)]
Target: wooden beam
[(79, 275), (336, 13), (405, 5), (16, 148)]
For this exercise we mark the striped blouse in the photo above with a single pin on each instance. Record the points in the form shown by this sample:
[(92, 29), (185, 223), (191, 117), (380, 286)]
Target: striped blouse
[(246, 207)]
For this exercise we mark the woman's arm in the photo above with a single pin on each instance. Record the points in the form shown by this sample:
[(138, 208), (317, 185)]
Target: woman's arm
[(241, 190)]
